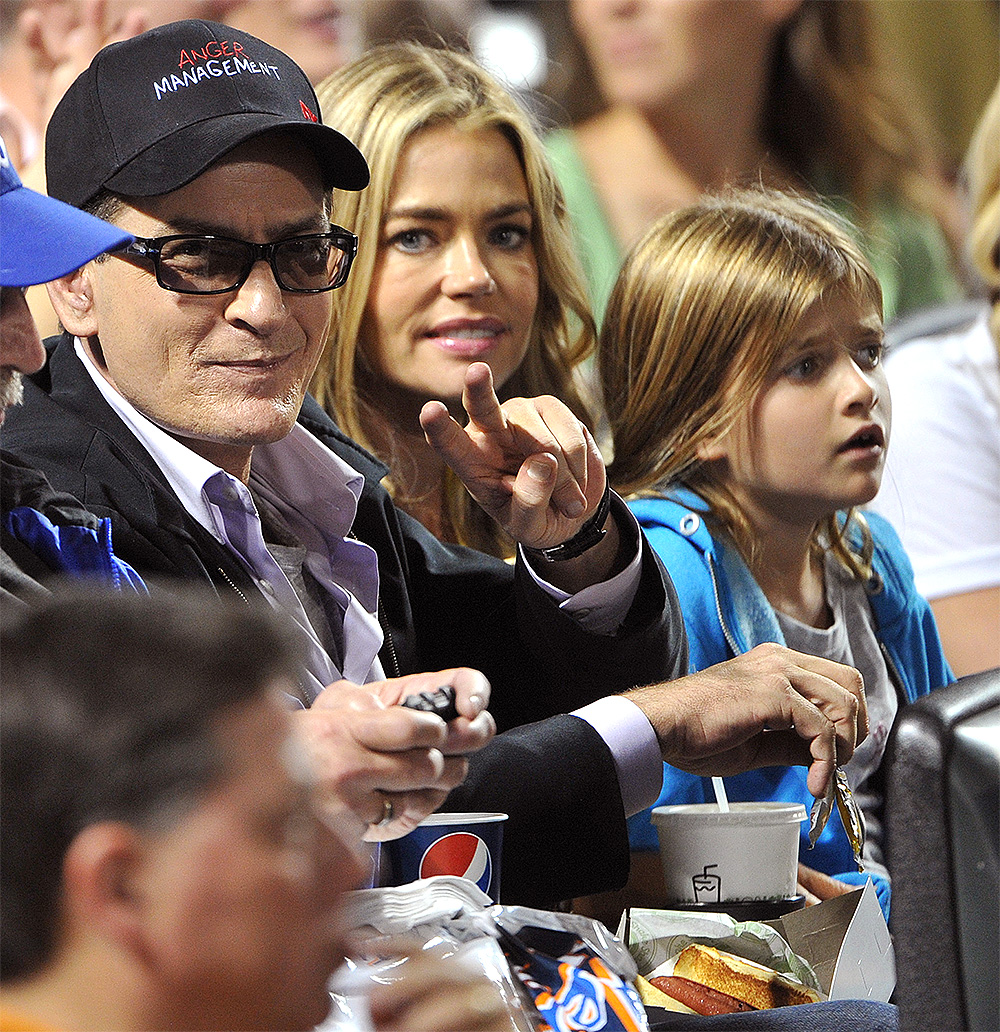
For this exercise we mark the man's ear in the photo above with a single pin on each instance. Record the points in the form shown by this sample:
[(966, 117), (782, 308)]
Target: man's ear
[(72, 297), (101, 874)]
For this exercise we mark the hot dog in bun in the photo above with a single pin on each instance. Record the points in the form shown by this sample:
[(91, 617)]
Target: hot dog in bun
[(701, 999), (711, 981)]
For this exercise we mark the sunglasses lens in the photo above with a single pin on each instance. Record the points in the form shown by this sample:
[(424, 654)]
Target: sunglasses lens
[(309, 263)]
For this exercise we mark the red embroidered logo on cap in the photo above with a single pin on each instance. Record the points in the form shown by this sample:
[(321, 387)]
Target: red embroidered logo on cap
[(212, 48), (307, 113), (213, 61)]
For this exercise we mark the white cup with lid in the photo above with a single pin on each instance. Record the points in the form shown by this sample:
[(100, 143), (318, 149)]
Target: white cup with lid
[(711, 856)]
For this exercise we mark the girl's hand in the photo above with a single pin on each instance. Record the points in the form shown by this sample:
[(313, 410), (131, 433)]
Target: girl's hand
[(817, 886)]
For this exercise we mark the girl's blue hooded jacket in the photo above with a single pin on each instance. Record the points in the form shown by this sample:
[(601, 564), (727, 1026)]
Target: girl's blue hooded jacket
[(726, 614)]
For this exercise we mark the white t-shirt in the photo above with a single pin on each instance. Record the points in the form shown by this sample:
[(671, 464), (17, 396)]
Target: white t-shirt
[(851, 640), (941, 488)]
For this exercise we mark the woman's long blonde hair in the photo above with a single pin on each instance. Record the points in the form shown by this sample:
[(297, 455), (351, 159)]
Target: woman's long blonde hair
[(703, 307), (380, 101), (983, 170)]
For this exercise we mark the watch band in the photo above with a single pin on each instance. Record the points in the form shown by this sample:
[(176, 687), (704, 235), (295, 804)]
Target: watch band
[(585, 538)]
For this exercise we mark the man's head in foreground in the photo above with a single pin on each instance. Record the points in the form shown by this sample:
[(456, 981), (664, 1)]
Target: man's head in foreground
[(205, 143), (163, 864), (40, 239)]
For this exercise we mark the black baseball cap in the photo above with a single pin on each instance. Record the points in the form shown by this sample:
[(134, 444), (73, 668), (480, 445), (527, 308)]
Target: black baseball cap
[(151, 113)]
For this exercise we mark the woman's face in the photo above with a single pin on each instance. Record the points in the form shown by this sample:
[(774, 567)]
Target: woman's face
[(456, 277), (651, 52)]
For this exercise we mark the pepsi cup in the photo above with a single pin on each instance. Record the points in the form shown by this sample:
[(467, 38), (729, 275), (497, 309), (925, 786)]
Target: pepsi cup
[(466, 845)]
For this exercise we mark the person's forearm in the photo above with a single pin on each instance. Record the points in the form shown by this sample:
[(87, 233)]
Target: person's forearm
[(605, 560)]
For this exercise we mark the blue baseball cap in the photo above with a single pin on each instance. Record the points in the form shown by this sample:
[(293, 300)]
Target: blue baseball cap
[(41, 238)]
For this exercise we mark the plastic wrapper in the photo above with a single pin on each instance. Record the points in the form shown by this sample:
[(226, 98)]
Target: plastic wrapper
[(656, 938), (839, 794), (389, 959), (554, 971), (579, 975)]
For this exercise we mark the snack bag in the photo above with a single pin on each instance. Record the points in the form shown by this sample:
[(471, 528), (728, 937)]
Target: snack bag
[(568, 973), (839, 794), (578, 975)]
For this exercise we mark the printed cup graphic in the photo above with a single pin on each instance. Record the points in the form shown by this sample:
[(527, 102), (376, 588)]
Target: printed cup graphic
[(467, 845), (748, 853), (707, 887)]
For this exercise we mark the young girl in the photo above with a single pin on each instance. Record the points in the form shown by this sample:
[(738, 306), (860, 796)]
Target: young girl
[(741, 366)]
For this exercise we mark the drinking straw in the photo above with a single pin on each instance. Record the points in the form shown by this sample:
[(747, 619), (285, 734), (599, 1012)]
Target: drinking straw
[(720, 794)]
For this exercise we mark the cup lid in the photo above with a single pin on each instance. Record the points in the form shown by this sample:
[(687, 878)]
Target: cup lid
[(741, 814), (461, 818)]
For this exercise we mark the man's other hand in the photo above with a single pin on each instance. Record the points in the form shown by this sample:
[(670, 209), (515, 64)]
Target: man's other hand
[(770, 706), (375, 759)]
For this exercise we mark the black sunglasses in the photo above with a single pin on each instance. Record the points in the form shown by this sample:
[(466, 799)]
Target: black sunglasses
[(189, 264)]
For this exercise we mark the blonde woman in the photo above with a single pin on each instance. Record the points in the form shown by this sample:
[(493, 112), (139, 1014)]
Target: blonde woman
[(464, 255), (741, 365), (942, 484)]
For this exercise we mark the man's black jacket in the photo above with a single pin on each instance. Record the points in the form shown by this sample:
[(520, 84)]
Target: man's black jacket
[(440, 606)]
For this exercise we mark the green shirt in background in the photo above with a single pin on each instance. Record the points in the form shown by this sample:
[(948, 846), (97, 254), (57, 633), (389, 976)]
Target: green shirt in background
[(907, 249)]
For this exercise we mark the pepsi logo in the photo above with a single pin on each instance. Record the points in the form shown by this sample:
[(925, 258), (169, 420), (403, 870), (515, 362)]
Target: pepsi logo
[(459, 853)]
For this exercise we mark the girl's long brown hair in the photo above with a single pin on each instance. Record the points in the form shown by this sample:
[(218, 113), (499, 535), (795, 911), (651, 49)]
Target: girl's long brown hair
[(703, 307)]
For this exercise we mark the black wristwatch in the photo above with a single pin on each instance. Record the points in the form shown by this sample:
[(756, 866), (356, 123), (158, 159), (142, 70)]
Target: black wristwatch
[(585, 538)]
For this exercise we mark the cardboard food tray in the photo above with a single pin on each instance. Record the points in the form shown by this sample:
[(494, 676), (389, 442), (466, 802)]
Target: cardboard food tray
[(844, 941)]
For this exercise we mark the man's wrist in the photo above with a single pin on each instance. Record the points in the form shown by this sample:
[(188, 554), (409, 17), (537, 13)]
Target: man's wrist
[(590, 534)]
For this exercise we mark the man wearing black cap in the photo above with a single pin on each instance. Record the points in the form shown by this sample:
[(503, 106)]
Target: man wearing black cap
[(176, 405)]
